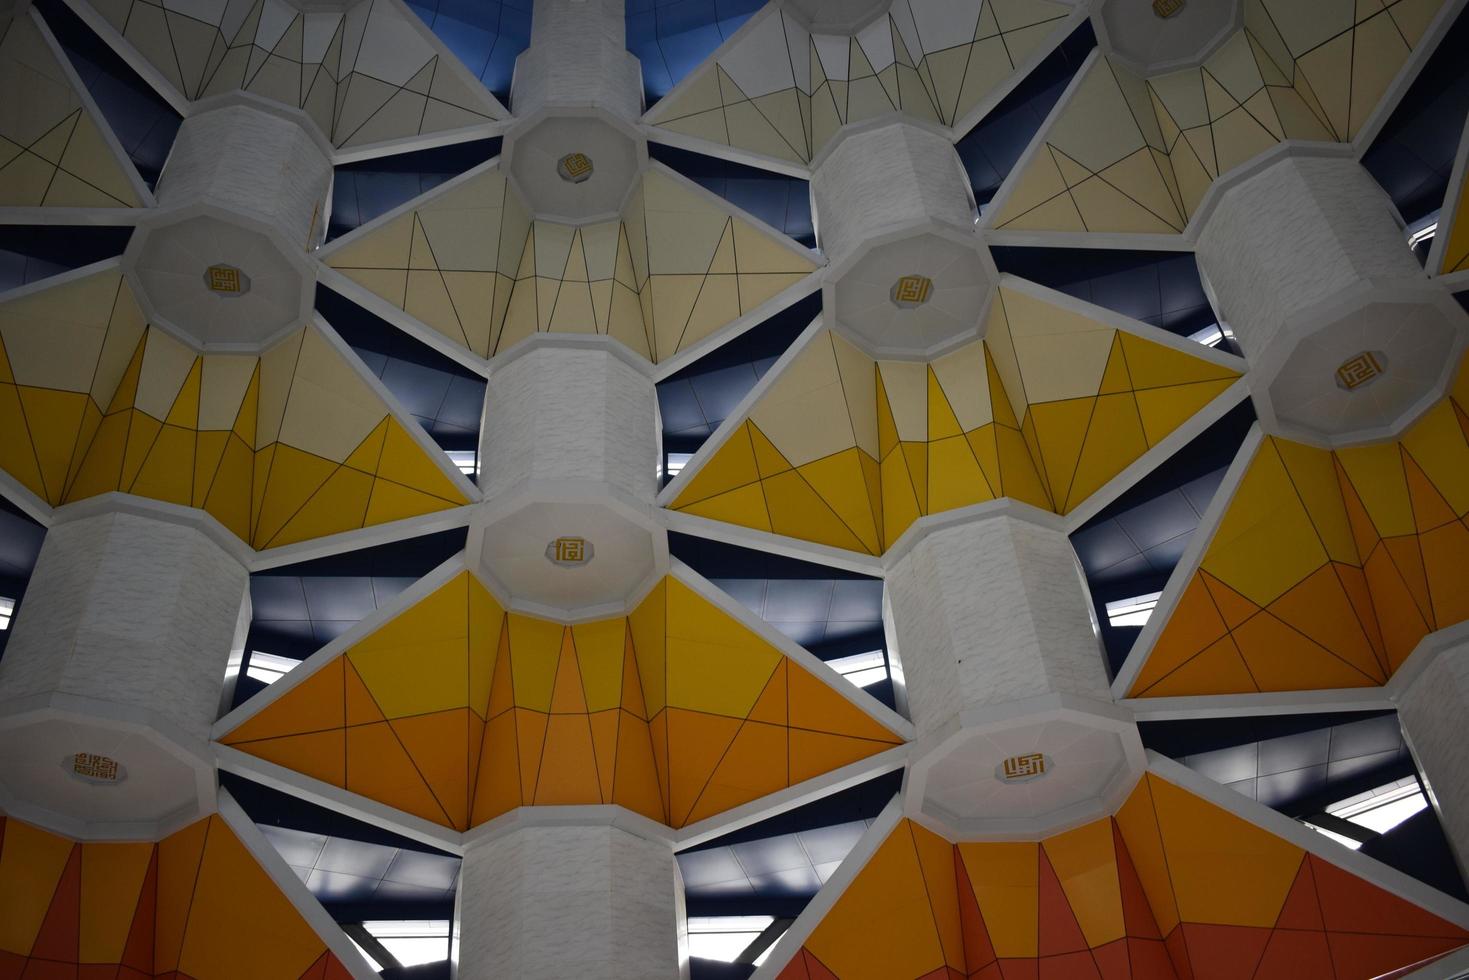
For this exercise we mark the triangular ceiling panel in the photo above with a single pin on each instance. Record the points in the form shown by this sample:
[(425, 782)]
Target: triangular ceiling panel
[(1172, 887), (781, 92), (138, 910), (1326, 567), (677, 711), (848, 452), (52, 149), (470, 263), (1127, 154), (291, 445), (367, 75)]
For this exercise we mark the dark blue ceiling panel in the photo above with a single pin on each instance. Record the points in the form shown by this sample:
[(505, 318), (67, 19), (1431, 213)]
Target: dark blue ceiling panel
[(989, 150), (296, 609), (486, 35), (144, 123), (672, 37), (1412, 156), (775, 866), (1132, 546), (781, 201), (1158, 288), (358, 871), (695, 400), (363, 191), (32, 252), (444, 396)]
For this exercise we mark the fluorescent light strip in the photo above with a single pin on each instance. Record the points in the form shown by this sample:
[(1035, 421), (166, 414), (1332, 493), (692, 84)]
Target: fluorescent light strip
[(267, 668), (725, 937), (862, 669), (413, 942), (1132, 612), (676, 462), (1344, 841), (467, 460), (1383, 808), (7, 609), (1212, 336)]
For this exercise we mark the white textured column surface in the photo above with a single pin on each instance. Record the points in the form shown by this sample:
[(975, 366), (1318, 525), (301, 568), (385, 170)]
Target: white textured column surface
[(578, 57), (1299, 232), (895, 216), (254, 163), (878, 180), (569, 414), (1346, 337), (1432, 711), (550, 903), (129, 610), (990, 612)]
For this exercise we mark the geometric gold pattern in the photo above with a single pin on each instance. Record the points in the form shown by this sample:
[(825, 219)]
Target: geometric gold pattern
[(471, 264), (130, 911), (783, 92), (1174, 886), (51, 150), (1328, 567), (1128, 154), (290, 445), (846, 451), (365, 76), (457, 711)]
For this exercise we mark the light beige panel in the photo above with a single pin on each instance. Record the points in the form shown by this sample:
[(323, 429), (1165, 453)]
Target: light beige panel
[(330, 409), (966, 383), (906, 384), (166, 363), (859, 386), (804, 413), (1001, 349), (53, 337), (682, 229), (226, 378), (1061, 354), (1096, 128), (277, 368), (124, 333)]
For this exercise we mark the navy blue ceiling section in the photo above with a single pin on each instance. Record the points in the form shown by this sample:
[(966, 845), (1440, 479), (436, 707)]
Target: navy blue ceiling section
[(486, 35), (358, 871), (145, 124), (1132, 546), (20, 545), (831, 612), (782, 202), (444, 396), (774, 867), (1159, 288), (989, 150), (31, 252), (296, 609), (363, 191), (695, 400), (671, 37), (1412, 156), (1301, 764)]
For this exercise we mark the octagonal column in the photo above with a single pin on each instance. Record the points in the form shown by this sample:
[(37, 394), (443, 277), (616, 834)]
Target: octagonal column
[(550, 902), (569, 469), (575, 147), (222, 262), (1002, 673), (895, 216), (114, 674), (1432, 710), (1346, 337)]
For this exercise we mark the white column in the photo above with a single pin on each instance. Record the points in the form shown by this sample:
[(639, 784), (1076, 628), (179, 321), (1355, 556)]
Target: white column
[(1001, 669), (895, 216), (990, 612), (1432, 710), (552, 902), (119, 652), (578, 57), (569, 469), (1346, 337)]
